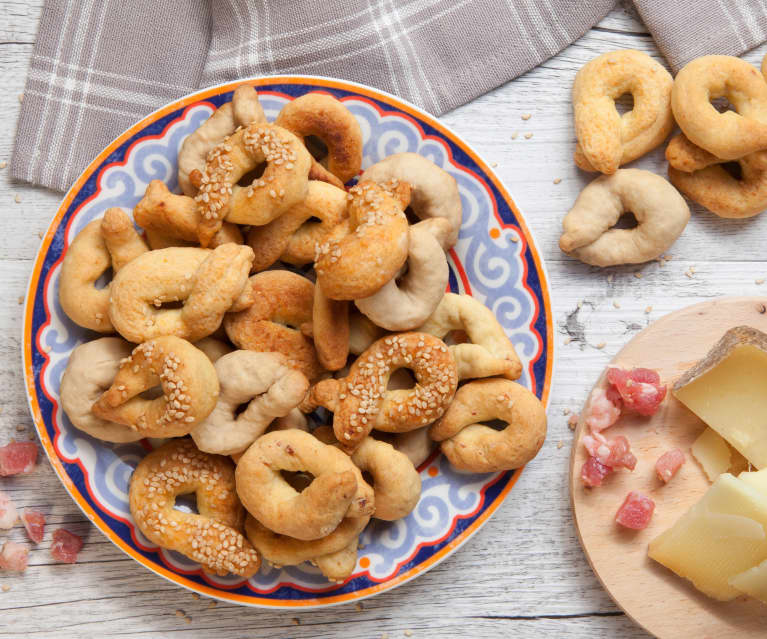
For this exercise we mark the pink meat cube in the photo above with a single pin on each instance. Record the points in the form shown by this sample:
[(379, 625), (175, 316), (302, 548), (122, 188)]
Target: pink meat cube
[(593, 472), (34, 522), (8, 514), (668, 464), (17, 457), (636, 511), (65, 546), (14, 556)]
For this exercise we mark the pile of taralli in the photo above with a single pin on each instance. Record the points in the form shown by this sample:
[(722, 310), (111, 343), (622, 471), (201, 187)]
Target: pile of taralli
[(232, 348), (719, 159)]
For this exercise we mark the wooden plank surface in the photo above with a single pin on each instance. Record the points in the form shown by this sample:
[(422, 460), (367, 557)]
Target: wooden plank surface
[(524, 574)]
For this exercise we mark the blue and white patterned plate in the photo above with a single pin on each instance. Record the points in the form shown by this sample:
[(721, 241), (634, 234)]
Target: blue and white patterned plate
[(504, 273)]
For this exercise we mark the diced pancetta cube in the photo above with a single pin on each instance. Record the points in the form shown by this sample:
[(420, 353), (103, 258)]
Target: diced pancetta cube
[(593, 472), (65, 546), (636, 511), (620, 454), (14, 556), (601, 413), (8, 513), (17, 457), (640, 388), (34, 522), (668, 464)]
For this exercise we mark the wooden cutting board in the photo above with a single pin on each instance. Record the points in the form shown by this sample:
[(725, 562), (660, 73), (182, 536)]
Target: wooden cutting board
[(654, 597)]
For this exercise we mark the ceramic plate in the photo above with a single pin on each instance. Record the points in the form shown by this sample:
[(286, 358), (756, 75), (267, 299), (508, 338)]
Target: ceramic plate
[(495, 260)]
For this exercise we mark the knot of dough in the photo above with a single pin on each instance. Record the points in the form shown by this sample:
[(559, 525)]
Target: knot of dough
[(282, 550), (660, 211), (470, 446), (404, 305), (326, 118), (265, 383), (189, 389), (396, 482), (94, 250), (213, 537), (90, 370), (490, 352), (732, 134), (168, 217), (362, 261), (244, 109), (698, 174), (293, 236), (434, 190), (329, 330), (282, 185), (361, 401), (209, 283), (337, 490), (283, 303), (607, 139)]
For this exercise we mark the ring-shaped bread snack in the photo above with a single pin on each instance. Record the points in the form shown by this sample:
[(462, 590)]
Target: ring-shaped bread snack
[(361, 401), (732, 134), (264, 382), (86, 259), (490, 351), (607, 139), (244, 109), (283, 303), (163, 214), (473, 447), (293, 236), (337, 490), (698, 175), (339, 566), (90, 370), (661, 215), (121, 238), (375, 248), (362, 332), (282, 185), (212, 538), (213, 348), (208, 283), (434, 190), (282, 550), (396, 482), (189, 389), (329, 330), (326, 118), (416, 445), (406, 304)]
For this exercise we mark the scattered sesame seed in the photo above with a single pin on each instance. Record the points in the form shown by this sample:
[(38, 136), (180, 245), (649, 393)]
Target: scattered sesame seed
[(526, 116), (616, 304), (560, 443), (494, 164), (557, 180), (21, 97), (358, 606), (296, 621), (179, 613), (610, 278), (187, 619), (580, 303), (5, 587), (601, 345), (688, 274), (528, 136), (513, 238), (572, 422), (648, 309), (692, 269), (17, 199), (21, 299), (3, 164), (20, 428), (759, 281), (408, 633), (195, 595), (565, 411), (568, 340), (40, 234), (514, 135), (385, 635), (212, 603), (667, 257)]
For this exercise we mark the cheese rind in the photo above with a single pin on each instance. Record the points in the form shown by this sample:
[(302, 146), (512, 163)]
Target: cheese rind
[(712, 453), (727, 389), (720, 537)]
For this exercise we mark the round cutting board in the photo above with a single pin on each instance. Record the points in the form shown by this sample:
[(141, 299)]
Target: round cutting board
[(653, 596)]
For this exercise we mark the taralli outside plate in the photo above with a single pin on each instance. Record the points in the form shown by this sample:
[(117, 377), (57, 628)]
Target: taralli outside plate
[(495, 260)]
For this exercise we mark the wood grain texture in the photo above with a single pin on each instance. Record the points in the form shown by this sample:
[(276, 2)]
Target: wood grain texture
[(524, 574), (649, 593)]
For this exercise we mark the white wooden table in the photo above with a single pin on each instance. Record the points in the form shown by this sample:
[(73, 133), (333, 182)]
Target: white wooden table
[(524, 573)]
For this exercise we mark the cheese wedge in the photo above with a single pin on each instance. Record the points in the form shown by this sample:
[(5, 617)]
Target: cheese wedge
[(757, 479), (720, 537), (752, 582), (712, 453), (727, 389)]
